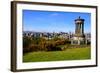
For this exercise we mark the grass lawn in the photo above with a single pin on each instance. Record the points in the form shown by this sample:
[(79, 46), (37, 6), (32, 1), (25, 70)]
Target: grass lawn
[(69, 54)]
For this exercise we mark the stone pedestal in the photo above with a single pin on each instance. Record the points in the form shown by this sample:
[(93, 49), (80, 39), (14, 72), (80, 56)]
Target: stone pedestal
[(78, 40)]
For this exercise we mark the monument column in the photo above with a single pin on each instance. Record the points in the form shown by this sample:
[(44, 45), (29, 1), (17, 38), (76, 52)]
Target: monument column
[(79, 31)]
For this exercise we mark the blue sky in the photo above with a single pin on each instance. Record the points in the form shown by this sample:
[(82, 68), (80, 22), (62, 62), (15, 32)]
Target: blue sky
[(51, 21)]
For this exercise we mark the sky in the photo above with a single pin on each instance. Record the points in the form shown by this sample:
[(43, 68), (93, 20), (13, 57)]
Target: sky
[(52, 21)]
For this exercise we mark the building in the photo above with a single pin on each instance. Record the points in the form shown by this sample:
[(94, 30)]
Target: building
[(88, 38), (79, 37)]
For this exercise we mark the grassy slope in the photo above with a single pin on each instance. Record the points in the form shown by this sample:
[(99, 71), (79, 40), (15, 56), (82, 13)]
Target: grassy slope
[(69, 54)]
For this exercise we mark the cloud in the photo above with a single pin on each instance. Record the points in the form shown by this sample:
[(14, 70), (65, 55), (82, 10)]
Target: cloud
[(54, 14)]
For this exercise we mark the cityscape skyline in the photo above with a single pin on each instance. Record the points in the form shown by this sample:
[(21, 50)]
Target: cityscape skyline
[(52, 21)]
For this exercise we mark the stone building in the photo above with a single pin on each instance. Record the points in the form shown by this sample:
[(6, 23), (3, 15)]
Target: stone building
[(79, 37)]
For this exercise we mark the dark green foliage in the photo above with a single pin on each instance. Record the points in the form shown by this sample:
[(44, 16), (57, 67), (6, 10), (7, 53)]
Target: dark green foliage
[(26, 42)]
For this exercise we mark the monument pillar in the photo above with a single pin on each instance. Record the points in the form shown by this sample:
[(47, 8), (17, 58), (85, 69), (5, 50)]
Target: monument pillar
[(79, 37)]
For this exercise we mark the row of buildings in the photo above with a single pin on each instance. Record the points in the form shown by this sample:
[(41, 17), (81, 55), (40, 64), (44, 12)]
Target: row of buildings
[(48, 35)]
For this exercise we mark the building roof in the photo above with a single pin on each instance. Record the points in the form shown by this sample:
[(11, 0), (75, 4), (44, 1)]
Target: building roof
[(79, 19)]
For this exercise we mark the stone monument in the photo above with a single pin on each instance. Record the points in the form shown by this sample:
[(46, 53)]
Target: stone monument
[(79, 37)]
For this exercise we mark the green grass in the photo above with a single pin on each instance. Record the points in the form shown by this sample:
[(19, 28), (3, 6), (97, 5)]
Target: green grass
[(69, 54)]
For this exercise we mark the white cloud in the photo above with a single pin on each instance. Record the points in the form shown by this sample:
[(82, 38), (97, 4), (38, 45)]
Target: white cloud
[(54, 14)]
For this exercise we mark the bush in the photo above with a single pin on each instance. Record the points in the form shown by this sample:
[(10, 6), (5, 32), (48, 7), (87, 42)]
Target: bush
[(32, 44), (26, 42)]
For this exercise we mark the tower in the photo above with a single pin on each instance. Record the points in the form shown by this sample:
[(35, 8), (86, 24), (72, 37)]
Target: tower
[(79, 37), (79, 26)]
